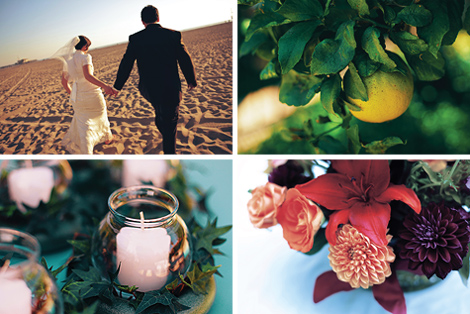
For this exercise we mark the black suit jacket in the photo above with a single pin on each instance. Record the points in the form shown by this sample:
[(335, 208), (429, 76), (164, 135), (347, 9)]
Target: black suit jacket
[(158, 52)]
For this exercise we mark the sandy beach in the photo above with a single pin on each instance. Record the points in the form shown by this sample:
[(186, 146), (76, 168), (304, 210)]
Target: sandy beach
[(35, 112)]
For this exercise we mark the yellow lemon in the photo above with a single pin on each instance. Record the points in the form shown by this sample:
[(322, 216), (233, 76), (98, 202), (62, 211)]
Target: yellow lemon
[(389, 95)]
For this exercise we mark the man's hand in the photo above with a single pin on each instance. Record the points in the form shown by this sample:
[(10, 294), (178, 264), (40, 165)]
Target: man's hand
[(191, 87)]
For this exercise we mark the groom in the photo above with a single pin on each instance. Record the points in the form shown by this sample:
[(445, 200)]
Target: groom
[(158, 52)]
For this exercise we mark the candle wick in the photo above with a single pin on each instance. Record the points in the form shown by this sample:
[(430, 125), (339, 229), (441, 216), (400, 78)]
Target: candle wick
[(5, 267), (142, 219)]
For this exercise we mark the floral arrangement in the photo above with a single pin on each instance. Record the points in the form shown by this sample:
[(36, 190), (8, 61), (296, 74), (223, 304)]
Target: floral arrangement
[(379, 219)]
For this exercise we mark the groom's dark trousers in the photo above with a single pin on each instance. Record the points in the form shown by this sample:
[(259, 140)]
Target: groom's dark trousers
[(158, 52)]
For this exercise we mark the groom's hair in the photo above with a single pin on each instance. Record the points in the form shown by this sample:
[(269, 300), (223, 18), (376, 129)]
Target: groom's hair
[(149, 14), (84, 41)]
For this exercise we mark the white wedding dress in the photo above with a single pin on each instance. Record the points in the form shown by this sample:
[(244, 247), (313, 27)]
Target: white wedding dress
[(90, 125)]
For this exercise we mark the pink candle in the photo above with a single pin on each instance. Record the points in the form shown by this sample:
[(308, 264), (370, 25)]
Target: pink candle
[(30, 186), (134, 172), (144, 257), (15, 296)]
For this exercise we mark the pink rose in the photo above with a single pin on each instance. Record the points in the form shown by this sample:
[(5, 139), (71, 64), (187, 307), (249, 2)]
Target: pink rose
[(300, 219), (264, 203)]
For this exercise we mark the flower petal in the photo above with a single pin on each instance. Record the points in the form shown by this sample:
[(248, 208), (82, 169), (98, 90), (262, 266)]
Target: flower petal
[(400, 193), (372, 220), (390, 295), (376, 172), (328, 284), (328, 190), (336, 219)]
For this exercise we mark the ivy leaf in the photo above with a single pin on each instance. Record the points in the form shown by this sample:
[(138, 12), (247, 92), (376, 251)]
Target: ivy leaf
[(295, 88), (371, 44), (415, 15), (263, 20), (380, 147), (455, 9), (434, 33), (354, 84), (91, 275), (354, 142), (200, 277), (331, 56), (426, 67), (409, 43), (293, 42), (155, 298), (269, 71), (80, 246), (301, 10), (330, 89), (208, 235), (249, 2), (360, 5)]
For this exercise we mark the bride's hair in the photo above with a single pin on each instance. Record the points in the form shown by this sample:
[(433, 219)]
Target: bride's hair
[(84, 41), (149, 14)]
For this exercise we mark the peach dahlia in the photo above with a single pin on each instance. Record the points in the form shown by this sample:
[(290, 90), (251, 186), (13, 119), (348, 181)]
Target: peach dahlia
[(359, 261)]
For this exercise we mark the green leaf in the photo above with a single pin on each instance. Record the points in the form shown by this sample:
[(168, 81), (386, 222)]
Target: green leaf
[(360, 5), (409, 43), (466, 21), (380, 147), (251, 45), (354, 142), (331, 56), (318, 242), (371, 44), (330, 89), (455, 10), (293, 42), (91, 275), (207, 236), (365, 66), (331, 145), (263, 20), (155, 298), (200, 277), (268, 72), (465, 270), (354, 84), (434, 33), (296, 88), (415, 15), (301, 10), (249, 2), (426, 67), (80, 246)]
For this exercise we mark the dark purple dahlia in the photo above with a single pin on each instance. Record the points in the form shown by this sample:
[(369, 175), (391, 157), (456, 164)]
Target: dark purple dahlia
[(289, 175), (436, 239)]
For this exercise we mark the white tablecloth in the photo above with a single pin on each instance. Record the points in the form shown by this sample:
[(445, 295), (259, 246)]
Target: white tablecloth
[(272, 278)]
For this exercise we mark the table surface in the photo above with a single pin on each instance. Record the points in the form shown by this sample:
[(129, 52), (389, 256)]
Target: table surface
[(271, 278), (214, 176)]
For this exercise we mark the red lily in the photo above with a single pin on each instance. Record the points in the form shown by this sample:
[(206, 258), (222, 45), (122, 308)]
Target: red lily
[(359, 194)]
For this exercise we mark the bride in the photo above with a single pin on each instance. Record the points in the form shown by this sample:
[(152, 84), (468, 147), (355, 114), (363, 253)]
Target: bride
[(90, 125)]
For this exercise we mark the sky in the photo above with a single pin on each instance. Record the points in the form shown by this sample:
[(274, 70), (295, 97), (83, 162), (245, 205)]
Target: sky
[(35, 29)]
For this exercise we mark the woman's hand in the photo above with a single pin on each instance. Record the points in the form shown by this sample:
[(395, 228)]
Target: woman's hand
[(65, 83)]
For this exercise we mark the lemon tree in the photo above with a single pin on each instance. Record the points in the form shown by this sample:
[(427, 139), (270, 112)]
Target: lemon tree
[(338, 48)]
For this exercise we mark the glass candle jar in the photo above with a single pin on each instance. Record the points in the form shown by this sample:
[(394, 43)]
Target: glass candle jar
[(25, 285), (143, 237)]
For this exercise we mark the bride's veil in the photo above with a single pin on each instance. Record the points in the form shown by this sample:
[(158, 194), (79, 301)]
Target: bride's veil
[(66, 52)]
